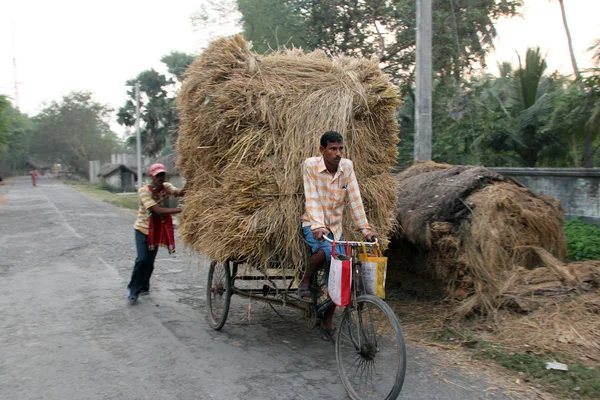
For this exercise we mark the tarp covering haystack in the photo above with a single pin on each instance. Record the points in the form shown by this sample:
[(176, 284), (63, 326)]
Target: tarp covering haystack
[(249, 121), (481, 235)]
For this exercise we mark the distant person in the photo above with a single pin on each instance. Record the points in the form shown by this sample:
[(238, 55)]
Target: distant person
[(153, 228), (1, 181), (34, 174)]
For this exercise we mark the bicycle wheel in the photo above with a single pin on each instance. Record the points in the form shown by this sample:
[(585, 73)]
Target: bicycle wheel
[(370, 350), (218, 293)]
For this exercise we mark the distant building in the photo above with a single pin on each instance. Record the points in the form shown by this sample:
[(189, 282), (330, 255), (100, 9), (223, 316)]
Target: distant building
[(31, 164), (119, 177)]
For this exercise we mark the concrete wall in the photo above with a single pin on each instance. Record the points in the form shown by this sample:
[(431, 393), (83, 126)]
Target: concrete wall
[(114, 179), (93, 170), (123, 158), (578, 189), (128, 182)]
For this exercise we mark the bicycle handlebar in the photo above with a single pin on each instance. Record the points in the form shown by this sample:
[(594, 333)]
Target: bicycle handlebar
[(352, 243)]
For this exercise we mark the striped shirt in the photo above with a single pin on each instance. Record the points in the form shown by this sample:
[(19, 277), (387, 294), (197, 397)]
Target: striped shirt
[(147, 202), (326, 193)]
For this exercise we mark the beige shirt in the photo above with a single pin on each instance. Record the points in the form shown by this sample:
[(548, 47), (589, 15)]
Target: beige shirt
[(326, 194), (147, 202)]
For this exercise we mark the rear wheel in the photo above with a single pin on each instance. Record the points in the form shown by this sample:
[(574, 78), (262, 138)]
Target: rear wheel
[(218, 293), (370, 351)]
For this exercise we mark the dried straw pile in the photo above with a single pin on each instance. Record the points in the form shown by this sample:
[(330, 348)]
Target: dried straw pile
[(476, 229), (557, 309), (247, 124)]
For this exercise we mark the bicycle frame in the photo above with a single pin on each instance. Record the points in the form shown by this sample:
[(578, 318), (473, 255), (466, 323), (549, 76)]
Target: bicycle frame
[(356, 275)]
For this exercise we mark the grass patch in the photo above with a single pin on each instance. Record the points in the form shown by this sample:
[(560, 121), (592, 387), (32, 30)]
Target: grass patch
[(427, 323), (580, 381), (130, 201), (583, 240)]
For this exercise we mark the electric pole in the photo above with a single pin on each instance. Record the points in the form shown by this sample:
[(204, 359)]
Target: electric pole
[(138, 135), (423, 83), (14, 47)]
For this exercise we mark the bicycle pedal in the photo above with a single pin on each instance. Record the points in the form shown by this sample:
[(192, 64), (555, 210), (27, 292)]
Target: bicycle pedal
[(265, 290)]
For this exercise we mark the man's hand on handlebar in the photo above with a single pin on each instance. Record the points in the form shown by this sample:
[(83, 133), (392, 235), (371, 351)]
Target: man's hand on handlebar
[(371, 236), (319, 233)]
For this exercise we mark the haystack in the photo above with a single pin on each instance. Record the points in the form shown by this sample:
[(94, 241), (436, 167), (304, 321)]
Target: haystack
[(476, 228), (249, 121)]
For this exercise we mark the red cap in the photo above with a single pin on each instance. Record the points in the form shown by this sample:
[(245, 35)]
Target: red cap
[(156, 169)]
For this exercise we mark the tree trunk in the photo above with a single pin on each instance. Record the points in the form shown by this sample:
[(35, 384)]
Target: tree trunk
[(575, 157), (587, 142), (573, 61), (588, 153)]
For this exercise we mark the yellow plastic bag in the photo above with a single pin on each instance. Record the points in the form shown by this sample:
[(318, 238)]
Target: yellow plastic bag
[(374, 270)]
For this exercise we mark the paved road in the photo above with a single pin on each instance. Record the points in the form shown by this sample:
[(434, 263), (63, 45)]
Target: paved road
[(66, 331)]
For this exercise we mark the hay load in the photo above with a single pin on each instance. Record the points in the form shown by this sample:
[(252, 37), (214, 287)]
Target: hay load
[(478, 231), (249, 121)]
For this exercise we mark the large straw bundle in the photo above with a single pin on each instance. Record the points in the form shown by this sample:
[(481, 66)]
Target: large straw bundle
[(476, 229), (247, 124)]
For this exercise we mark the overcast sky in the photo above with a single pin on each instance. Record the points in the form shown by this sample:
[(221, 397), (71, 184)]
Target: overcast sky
[(65, 45)]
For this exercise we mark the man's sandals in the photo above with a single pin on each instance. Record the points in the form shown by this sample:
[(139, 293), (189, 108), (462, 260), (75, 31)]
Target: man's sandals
[(305, 294), (329, 334)]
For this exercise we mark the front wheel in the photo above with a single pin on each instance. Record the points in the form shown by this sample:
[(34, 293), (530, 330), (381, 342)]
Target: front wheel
[(218, 293), (370, 350)]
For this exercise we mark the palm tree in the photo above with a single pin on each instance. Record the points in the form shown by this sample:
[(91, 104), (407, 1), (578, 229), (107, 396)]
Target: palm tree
[(521, 103), (571, 51), (592, 125)]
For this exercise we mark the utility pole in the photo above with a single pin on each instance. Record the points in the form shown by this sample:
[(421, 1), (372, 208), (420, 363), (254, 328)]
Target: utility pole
[(423, 83), (138, 135), (14, 48)]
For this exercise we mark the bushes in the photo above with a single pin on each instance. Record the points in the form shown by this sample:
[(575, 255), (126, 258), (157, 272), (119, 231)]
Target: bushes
[(583, 240)]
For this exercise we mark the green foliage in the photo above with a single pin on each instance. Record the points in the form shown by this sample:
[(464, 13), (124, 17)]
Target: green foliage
[(16, 140), (583, 240), (158, 114), (177, 63), (462, 31), (4, 133), (577, 118), (73, 132), (522, 117), (581, 381), (270, 24), (500, 121)]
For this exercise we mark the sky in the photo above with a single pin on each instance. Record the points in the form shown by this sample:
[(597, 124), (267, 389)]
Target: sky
[(542, 25), (64, 45)]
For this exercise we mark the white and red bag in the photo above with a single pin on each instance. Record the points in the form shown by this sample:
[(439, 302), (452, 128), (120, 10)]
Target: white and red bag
[(339, 282)]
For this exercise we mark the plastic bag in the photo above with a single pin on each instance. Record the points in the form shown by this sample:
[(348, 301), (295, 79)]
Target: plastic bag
[(339, 282), (374, 271)]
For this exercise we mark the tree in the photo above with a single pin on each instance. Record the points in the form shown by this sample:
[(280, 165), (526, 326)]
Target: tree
[(520, 113), (4, 132), (570, 43), (16, 138), (158, 114), (592, 126), (463, 31), (216, 17), (73, 132), (177, 63), (271, 24)]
